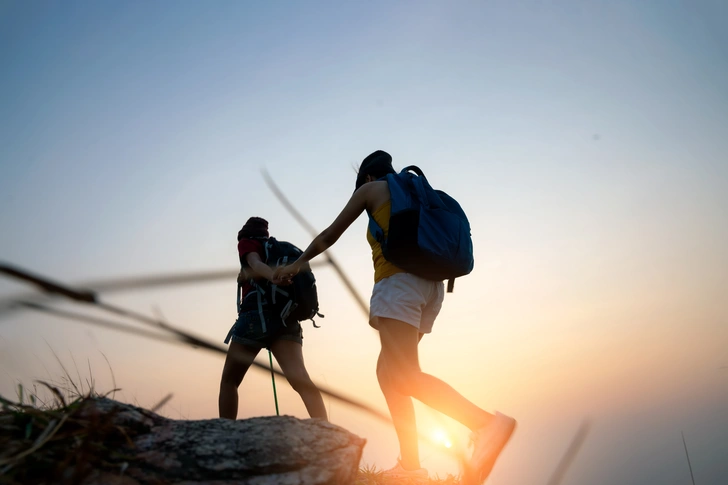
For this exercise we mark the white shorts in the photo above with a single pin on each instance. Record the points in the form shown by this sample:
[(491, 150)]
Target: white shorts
[(408, 298)]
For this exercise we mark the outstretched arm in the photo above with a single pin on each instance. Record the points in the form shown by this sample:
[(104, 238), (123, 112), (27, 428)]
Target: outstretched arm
[(353, 209)]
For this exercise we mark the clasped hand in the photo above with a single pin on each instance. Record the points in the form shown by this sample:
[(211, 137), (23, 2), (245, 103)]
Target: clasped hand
[(283, 275)]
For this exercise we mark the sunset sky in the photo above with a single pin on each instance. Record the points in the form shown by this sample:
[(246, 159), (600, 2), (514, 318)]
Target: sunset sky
[(586, 140)]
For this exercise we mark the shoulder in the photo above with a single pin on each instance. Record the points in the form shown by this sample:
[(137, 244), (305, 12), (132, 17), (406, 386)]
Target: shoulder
[(373, 189), (246, 245), (374, 194)]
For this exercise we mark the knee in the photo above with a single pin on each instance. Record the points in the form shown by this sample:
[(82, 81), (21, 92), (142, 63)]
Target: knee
[(227, 381), (401, 382), (300, 382), (406, 384), (388, 380), (230, 378)]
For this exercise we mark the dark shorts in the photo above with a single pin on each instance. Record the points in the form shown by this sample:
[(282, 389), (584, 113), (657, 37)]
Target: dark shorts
[(249, 330)]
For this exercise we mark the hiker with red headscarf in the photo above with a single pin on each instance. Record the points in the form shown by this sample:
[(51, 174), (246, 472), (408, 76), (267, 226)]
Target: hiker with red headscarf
[(254, 330)]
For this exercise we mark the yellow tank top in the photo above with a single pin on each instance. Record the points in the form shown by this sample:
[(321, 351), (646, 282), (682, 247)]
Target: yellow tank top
[(382, 267)]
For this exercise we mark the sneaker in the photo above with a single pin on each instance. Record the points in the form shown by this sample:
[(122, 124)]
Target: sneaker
[(488, 442), (399, 473)]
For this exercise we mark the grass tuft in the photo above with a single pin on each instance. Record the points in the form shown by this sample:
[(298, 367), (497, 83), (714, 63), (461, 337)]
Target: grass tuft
[(370, 475), (57, 442)]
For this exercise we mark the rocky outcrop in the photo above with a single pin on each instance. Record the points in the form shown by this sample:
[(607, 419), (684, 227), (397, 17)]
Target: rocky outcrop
[(141, 447)]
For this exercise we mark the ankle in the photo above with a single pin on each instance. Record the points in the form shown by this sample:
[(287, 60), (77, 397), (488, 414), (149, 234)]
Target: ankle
[(410, 465), (484, 421)]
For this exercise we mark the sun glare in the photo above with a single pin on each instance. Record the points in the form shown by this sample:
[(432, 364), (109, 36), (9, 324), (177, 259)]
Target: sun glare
[(441, 437)]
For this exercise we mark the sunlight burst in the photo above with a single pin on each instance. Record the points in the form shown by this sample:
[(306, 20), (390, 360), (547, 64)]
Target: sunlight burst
[(441, 437)]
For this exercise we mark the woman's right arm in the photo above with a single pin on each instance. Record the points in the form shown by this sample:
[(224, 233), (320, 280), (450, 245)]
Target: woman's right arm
[(258, 268), (353, 209)]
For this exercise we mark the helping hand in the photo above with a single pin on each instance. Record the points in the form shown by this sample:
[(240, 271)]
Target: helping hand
[(286, 273), (282, 276)]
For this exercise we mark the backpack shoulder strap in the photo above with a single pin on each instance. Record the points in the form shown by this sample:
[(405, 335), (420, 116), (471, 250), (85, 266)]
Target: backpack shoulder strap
[(375, 229), (427, 196), (401, 190), (267, 245)]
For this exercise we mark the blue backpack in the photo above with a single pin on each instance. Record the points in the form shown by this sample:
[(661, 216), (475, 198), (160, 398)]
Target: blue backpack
[(429, 234)]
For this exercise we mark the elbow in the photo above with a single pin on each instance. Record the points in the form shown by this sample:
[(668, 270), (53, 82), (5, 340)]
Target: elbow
[(326, 239)]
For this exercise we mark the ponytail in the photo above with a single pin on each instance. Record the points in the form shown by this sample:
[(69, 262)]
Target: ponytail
[(377, 164)]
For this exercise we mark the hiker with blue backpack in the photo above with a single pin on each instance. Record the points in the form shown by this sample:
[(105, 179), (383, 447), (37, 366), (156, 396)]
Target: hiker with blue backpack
[(268, 317), (419, 237)]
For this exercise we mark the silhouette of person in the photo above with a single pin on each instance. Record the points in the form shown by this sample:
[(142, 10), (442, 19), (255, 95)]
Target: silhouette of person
[(251, 333), (403, 309)]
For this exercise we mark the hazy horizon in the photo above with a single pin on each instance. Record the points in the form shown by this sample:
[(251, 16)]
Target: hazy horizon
[(586, 141)]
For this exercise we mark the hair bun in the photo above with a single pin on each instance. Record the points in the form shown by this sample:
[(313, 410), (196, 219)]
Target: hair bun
[(255, 227), (376, 159), (377, 164)]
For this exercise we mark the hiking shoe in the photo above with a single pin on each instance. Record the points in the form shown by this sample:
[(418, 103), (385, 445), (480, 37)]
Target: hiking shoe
[(399, 473), (488, 442)]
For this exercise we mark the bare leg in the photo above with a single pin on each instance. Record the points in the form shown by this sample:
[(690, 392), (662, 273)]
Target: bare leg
[(403, 417), (399, 364), (289, 355), (238, 361)]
